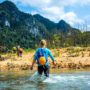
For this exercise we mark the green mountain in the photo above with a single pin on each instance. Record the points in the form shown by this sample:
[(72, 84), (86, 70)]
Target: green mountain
[(19, 28), (26, 30), (46, 22), (63, 26)]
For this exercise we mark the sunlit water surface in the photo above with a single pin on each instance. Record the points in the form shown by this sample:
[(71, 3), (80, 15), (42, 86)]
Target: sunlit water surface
[(57, 81)]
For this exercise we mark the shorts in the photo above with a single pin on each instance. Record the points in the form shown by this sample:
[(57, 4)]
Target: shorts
[(44, 69)]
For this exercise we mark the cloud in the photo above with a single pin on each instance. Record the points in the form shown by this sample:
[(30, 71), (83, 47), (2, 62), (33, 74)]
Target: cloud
[(58, 13), (55, 9), (88, 28), (70, 2), (71, 18), (42, 3), (34, 12), (53, 13), (34, 3)]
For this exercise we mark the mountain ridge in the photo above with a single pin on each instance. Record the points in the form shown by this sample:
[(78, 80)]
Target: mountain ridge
[(26, 30)]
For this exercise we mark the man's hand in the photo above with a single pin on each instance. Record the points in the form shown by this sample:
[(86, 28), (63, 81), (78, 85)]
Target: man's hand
[(54, 63), (31, 67)]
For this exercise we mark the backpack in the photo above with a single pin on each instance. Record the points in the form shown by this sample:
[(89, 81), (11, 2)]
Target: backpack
[(41, 55)]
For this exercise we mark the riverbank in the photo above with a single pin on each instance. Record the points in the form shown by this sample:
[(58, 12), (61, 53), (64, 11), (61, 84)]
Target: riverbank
[(66, 58)]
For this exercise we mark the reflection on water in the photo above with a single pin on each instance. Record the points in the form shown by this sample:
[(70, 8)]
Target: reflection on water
[(57, 81)]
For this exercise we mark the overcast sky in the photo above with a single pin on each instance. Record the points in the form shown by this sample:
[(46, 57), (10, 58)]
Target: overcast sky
[(74, 12)]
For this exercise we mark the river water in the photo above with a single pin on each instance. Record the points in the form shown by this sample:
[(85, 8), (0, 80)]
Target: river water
[(57, 81)]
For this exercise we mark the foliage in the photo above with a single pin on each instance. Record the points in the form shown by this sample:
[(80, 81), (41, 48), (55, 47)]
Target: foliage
[(27, 30)]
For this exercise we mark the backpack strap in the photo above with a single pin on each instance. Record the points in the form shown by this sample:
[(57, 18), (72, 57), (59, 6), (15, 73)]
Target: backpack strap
[(41, 53)]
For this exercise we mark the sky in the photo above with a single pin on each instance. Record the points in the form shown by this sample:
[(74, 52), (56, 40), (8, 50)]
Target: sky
[(74, 12)]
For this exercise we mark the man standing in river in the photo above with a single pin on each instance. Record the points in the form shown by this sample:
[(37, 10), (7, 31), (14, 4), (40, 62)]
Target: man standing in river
[(41, 56)]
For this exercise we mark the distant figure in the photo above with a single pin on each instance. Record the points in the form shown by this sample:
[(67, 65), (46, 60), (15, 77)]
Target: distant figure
[(41, 56), (19, 51), (14, 49)]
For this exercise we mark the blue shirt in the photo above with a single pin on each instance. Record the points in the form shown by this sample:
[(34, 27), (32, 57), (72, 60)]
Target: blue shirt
[(46, 54)]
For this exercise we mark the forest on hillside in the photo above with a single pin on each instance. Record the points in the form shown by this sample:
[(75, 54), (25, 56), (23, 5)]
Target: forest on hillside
[(26, 30)]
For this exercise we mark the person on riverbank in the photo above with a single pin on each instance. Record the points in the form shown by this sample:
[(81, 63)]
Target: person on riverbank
[(19, 51), (41, 56), (14, 49)]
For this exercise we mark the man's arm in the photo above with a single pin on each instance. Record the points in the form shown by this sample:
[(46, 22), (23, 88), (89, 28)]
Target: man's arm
[(33, 62), (51, 56)]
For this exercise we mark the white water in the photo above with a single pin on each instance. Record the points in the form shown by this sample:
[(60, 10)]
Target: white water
[(60, 78), (62, 81), (36, 77)]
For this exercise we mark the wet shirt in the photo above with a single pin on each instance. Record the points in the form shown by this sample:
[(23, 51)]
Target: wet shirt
[(46, 54)]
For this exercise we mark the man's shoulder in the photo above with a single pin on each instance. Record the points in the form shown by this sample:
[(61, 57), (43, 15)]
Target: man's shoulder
[(47, 49), (37, 49)]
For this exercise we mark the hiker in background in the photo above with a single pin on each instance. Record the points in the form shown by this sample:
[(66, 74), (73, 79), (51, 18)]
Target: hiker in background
[(41, 56), (14, 49), (19, 51)]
